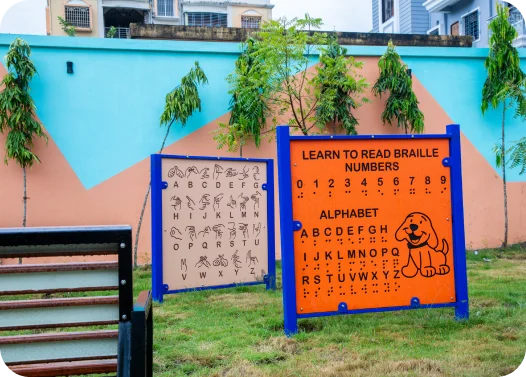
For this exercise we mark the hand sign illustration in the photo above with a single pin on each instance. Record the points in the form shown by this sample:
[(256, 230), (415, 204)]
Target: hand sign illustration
[(236, 260), (232, 203), (220, 261), (175, 171), (256, 174), (177, 202), (250, 259), (175, 233), (256, 229), (244, 229), (232, 231), (205, 231), (244, 174), (217, 170), (243, 202), (217, 200), (190, 170), (230, 172), (203, 262), (191, 232), (204, 173), (218, 229), (255, 198), (205, 201), (190, 203)]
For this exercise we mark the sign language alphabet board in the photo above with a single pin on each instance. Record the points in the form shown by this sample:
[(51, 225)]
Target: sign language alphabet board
[(212, 223), (371, 223)]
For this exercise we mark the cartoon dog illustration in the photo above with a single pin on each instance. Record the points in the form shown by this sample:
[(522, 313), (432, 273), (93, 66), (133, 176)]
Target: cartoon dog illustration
[(422, 242)]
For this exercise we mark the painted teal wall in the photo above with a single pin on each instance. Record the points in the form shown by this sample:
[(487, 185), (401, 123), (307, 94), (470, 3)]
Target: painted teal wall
[(105, 117)]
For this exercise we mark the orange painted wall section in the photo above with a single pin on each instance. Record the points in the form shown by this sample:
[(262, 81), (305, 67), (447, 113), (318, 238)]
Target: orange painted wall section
[(57, 197)]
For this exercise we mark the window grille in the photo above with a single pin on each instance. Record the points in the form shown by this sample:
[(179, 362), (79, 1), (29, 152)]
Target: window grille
[(471, 25), (387, 9), (207, 19), (165, 8), (78, 17), (250, 22), (433, 32)]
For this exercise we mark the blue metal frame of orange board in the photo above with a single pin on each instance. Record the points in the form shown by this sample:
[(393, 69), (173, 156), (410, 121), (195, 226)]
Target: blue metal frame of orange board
[(287, 223), (157, 186)]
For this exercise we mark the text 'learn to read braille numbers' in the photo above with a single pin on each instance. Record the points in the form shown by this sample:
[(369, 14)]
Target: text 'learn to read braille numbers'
[(381, 186)]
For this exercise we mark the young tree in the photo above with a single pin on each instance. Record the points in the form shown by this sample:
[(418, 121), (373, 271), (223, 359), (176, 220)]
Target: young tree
[(336, 89), (67, 27), (17, 112), (402, 104), (504, 87), (248, 109), (285, 48), (180, 104)]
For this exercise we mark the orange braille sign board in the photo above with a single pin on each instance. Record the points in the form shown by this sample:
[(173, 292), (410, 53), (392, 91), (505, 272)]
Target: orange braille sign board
[(372, 224), (376, 224)]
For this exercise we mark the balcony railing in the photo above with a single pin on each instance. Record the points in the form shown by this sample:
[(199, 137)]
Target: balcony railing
[(516, 20), (121, 32)]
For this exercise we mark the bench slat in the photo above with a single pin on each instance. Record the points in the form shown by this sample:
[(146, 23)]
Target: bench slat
[(59, 346), (74, 368), (68, 250), (32, 268), (53, 313), (61, 281)]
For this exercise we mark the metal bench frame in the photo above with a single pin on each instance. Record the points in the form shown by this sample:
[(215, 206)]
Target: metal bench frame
[(135, 322)]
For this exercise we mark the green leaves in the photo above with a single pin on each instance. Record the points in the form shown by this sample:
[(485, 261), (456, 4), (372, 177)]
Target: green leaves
[(66, 27), (248, 105), (505, 85), (516, 155), (184, 99), (17, 116), (337, 89), (402, 104), (284, 49), (505, 79)]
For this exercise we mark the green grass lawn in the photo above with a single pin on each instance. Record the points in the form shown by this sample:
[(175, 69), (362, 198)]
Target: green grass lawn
[(239, 332)]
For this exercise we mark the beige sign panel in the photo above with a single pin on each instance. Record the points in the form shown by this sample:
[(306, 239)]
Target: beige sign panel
[(214, 217)]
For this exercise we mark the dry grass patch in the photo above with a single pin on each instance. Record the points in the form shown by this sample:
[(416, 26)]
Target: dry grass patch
[(244, 301), (279, 344)]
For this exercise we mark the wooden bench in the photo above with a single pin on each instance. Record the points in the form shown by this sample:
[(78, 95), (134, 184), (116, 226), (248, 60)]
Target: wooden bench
[(42, 336)]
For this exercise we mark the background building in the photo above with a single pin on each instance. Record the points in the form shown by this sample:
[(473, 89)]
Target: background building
[(443, 17), (94, 18)]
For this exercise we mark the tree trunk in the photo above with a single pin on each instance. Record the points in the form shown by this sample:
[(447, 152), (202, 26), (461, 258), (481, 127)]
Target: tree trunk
[(136, 246), (24, 216), (240, 150), (503, 152)]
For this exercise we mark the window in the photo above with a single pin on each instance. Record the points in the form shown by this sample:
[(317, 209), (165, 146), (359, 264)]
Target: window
[(250, 22), (78, 17), (434, 31), (455, 27), (471, 24), (165, 8), (207, 19), (387, 9)]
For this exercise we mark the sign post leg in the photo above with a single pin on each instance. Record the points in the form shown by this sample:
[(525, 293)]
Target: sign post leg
[(157, 231), (461, 280), (286, 225), (271, 281)]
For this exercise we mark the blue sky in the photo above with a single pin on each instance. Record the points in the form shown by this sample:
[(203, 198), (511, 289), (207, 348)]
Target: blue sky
[(339, 15)]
